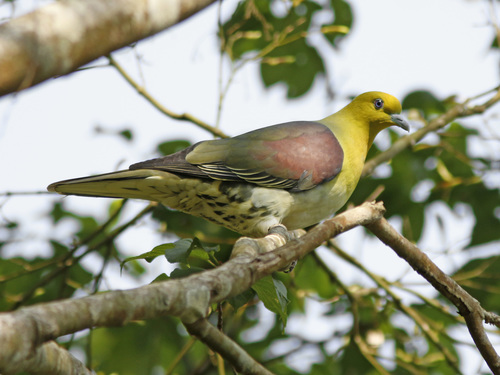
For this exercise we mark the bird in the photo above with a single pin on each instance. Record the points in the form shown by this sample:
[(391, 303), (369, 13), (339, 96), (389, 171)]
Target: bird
[(293, 174)]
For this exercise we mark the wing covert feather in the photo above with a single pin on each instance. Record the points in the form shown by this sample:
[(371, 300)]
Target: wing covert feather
[(295, 155)]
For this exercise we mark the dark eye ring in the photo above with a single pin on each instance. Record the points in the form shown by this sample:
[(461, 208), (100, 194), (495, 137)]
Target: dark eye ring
[(378, 103)]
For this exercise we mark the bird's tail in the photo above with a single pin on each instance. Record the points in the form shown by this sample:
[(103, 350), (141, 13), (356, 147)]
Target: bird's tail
[(139, 184)]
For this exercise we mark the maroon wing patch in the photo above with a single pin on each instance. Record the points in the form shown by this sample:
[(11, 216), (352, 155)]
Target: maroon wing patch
[(315, 155), (295, 156)]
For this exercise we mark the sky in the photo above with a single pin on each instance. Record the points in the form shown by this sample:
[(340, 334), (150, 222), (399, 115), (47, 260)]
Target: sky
[(48, 133)]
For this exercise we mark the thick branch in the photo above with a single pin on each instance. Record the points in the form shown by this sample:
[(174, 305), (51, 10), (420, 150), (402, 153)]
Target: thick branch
[(51, 359), (467, 306), (22, 331), (458, 111), (64, 35), (216, 340)]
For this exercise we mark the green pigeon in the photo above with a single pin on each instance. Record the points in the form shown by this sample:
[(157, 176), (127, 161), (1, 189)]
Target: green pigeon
[(293, 174)]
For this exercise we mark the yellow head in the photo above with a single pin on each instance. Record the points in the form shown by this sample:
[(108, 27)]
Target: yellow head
[(378, 110)]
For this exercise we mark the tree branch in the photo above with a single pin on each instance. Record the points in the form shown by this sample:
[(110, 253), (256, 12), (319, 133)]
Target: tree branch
[(50, 359), (64, 35), (467, 306), (230, 350), (22, 331), (458, 111)]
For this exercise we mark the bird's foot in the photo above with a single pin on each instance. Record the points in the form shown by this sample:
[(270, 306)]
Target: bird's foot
[(289, 268), (282, 231)]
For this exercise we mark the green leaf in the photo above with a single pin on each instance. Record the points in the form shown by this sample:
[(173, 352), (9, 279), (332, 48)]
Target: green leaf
[(184, 250), (58, 212), (180, 273), (126, 134), (142, 348), (286, 56), (487, 225), (494, 43), (114, 208), (353, 361), (241, 299), (161, 277), (11, 225), (170, 147), (425, 101), (184, 247), (178, 251), (273, 294), (248, 29), (199, 254), (481, 279), (311, 278), (206, 248), (330, 366), (59, 248), (342, 17), (147, 256), (299, 74)]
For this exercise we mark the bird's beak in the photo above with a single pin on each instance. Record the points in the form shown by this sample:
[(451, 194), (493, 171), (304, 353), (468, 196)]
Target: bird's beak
[(400, 121)]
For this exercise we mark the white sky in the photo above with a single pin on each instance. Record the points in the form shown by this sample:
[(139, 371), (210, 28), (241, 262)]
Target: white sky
[(46, 133)]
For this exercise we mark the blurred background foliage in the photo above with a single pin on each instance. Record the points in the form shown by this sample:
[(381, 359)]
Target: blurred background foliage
[(378, 325)]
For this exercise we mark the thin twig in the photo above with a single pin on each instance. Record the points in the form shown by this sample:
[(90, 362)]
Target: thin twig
[(145, 94), (221, 63), (173, 364), (14, 193), (230, 350)]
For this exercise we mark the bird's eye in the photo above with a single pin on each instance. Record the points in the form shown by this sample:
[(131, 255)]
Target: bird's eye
[(378, 103)]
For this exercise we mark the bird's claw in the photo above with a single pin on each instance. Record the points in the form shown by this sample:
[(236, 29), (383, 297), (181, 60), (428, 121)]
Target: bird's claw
[(289, 268), (282, 231)]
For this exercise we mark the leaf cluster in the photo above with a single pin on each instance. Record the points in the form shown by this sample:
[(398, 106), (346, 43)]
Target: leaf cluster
[(277, 35)]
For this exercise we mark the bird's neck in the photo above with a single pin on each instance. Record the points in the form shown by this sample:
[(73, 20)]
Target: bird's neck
[(352, 133)]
